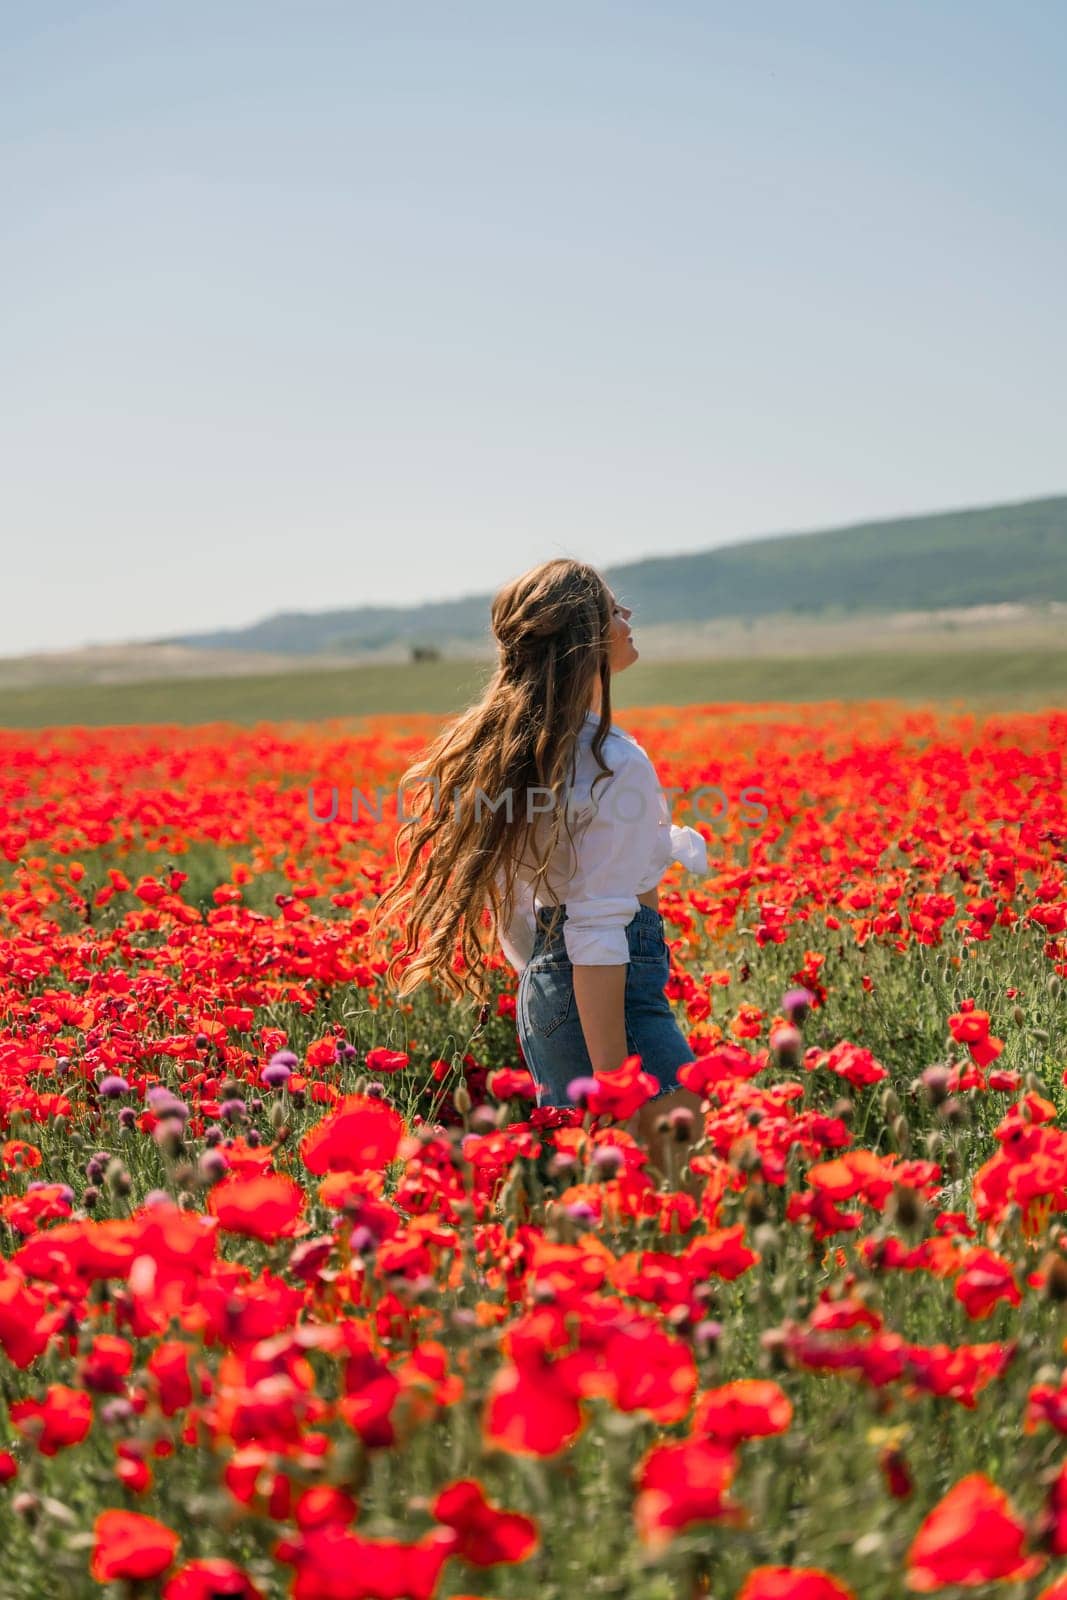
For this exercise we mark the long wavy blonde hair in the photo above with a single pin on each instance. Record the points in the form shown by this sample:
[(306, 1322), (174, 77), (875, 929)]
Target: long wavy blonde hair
[(554, 629)]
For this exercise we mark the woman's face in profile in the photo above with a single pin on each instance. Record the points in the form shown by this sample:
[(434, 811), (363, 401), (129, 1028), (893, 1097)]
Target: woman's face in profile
[(623, 650)]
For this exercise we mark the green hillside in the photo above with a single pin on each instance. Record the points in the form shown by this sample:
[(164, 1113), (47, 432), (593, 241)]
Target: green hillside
[(954, 558)]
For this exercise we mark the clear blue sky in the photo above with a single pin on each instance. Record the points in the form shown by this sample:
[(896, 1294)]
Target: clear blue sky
[(310, 304)]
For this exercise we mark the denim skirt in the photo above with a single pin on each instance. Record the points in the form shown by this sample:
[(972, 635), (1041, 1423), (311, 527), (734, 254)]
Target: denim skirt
[(550, 1029)]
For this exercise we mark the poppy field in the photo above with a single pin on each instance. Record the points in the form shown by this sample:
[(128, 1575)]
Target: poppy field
[(302, 1295)]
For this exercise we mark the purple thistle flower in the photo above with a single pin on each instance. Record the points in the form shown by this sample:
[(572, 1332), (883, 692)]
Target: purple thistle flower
[(580, 1089), (112, 1086), (796, 1003), (165, 1103), (211, 1165), (607, 1160), (276, 1073)]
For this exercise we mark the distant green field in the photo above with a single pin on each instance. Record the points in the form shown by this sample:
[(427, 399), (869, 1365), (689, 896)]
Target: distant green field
[(987, 679)]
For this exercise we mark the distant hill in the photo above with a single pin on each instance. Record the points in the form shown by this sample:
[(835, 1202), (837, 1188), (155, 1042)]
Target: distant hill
[(954, 558)]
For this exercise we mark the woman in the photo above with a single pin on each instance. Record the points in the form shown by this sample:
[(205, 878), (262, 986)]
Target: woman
[(547, 798)]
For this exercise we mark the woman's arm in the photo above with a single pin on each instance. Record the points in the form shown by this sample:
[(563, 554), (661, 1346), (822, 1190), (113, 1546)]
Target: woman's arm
[(600, 995)]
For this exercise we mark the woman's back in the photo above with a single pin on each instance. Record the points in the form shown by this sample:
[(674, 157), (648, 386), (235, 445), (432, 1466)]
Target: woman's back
[(623, 841)]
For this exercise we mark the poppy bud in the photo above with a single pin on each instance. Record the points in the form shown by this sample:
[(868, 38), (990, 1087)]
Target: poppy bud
[(907, 1206), (1018, 1016), (1055, 1270), (117, 1178), (26, 1505), (766, 1238), (461, 1098), (897, 1476)]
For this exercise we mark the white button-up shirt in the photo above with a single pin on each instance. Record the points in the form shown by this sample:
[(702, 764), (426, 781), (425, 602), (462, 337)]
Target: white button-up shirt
[(622, 851)]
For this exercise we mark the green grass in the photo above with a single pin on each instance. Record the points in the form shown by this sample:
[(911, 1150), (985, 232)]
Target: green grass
[(1002, 679)]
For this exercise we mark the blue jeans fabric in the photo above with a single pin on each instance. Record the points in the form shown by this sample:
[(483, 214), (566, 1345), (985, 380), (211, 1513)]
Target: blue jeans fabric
[(550, 1029)]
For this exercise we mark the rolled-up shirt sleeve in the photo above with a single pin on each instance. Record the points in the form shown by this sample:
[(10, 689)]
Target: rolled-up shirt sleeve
[(622, 829), (690, 848)]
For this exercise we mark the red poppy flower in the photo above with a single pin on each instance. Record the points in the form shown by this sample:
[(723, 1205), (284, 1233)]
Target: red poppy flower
[(169, 1366), (210, 1580), (332, 1564), (61, 1419), (324, 1503), (359, 1132), (749, 1408), (258, 1207), (623, 1091), (972, 1029), (107, 1364), (26, 1321), (128, 1545), (131, 1469), (485, 1536), (531, 1410), (511, 1083), (793, 1583), (971, 1536), (682, 1483), (986, 1279), (380, 1060)]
